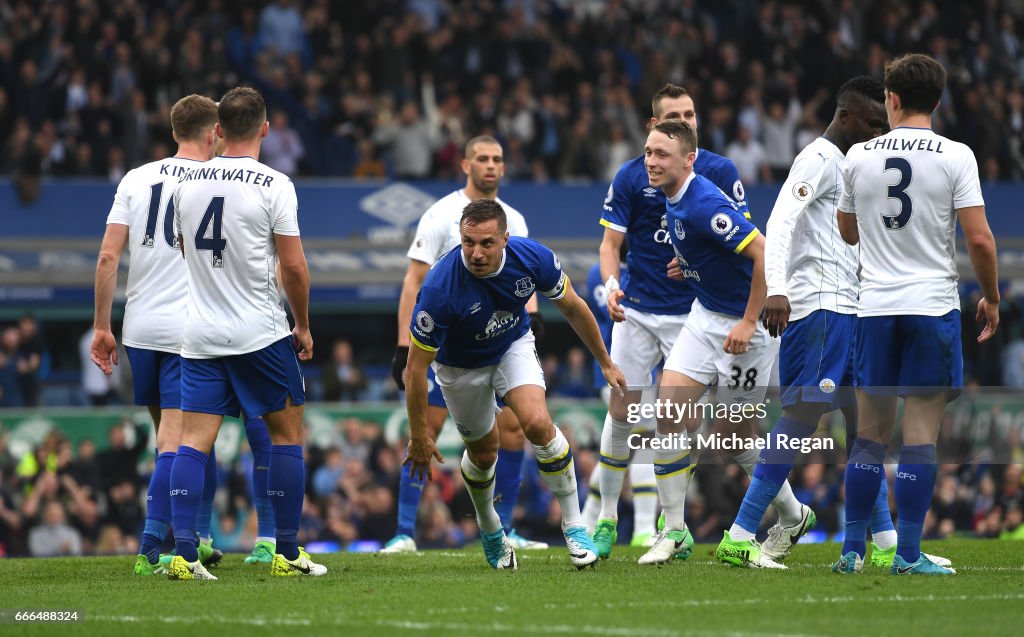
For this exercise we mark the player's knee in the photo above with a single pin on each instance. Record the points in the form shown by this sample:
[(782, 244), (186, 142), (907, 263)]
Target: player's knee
[(483, 458), (537, 427)]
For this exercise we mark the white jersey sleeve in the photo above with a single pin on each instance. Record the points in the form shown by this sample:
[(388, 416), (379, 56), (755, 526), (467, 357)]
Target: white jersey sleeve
[(286, 212), (806, 259), (966, 185), (801, 187), (157, 290), (432, 236)]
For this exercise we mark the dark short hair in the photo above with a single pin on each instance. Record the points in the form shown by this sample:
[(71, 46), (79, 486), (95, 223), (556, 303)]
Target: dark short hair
[(483, 210), (669, 90), (479, 139), (865, 86), (678, 129), (242, 112), (191, 116), (919, 81)]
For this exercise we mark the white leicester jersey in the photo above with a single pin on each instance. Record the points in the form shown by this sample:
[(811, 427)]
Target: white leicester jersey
[(805, 258), (438, 230), (157, 291), (905, 188), (228, 211)]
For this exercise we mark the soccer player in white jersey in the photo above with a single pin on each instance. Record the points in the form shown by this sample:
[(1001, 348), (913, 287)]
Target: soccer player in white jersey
[(903, 193), (237, 222), (470, 315), (436, 234), (141, 220)]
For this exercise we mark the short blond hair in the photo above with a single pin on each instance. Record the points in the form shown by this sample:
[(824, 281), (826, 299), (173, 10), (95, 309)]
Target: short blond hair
[(191, 116)]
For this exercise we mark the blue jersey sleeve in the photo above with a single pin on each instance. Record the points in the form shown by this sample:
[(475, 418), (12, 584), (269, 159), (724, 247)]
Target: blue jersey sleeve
[(551, 281), (731, 184), (618, 203), (430, 319), (725, 225)]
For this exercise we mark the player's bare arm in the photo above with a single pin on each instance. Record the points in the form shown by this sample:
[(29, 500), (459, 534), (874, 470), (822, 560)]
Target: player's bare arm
[(848, 227), (738, 339), (104, 347), (422, 448), (981, 248), (575, 310), (611, 246), (295, 281)]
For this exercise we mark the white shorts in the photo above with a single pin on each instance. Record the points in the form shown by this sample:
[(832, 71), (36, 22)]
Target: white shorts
[(698, 354), (641, 341), (469, 393)]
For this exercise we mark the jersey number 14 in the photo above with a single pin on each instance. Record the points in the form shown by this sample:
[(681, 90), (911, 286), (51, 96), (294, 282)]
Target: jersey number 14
[(211, 224)]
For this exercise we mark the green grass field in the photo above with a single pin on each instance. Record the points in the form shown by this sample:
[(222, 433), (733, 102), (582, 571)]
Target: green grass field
[(456, 593)]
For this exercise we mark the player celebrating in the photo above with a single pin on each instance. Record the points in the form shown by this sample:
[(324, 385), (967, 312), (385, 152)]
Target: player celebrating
[(651, 310), (436, 234), (237, 219), (141, 219), (908, 332), (470, 315), (722, 254)]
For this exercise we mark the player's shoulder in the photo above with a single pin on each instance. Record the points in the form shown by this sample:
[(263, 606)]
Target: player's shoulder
[(510, 212), (819, 150), (631, 173), (446, 208)]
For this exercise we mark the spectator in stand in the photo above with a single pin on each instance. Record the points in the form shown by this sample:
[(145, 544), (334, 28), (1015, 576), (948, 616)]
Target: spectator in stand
[(342, 379), (31, 352), (282, 149), (54, 537), (10, 387), (118, 463), (749, 156)]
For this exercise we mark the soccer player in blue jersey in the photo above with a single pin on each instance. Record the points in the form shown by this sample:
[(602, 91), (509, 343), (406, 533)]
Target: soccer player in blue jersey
[(470, 316), (721, 254), (652, 309), (902, 196), (436, 234)]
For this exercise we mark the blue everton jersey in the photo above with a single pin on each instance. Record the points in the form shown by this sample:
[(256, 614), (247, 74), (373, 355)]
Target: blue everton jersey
[(471, 322), (708, 232), (635, 208)]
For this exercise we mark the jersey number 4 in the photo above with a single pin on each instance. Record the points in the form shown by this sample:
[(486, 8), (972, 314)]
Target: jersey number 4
[(154, 209), (211, 225), (898, 191)]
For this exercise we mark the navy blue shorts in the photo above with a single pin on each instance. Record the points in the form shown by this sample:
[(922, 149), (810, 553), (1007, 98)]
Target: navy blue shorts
[(156, 377), (256, 383), (434, 397), (816, 360), (910, 354)]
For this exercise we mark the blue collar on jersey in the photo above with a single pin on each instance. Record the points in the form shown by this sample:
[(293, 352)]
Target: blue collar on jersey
[(682, 191), (492, 274)]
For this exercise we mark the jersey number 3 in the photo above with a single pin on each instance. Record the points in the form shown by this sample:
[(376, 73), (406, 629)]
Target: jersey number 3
[(211, 224), (898, 191)]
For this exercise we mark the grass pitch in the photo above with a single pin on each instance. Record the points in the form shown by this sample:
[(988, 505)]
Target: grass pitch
[(456, 593)]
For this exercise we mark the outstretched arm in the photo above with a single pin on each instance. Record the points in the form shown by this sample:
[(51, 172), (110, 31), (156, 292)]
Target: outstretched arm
[(575, 310)]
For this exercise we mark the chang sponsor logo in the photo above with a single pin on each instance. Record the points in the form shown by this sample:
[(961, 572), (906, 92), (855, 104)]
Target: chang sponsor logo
[(499, 323)]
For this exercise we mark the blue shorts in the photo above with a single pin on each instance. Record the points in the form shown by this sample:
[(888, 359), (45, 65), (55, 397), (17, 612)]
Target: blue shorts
[(434, 397), (816, 360), (910, 354), (256, 383), (156, 377)]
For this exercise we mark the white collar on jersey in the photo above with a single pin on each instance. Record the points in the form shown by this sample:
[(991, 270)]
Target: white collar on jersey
[(686, 184), (492, 274)]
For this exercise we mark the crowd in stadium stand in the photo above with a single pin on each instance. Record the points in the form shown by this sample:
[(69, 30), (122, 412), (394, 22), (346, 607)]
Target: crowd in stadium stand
[(394, 88)]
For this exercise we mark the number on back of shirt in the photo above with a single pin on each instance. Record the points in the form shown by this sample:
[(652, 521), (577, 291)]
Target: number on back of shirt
[(211, 225), (898, 191), (154, 208)]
